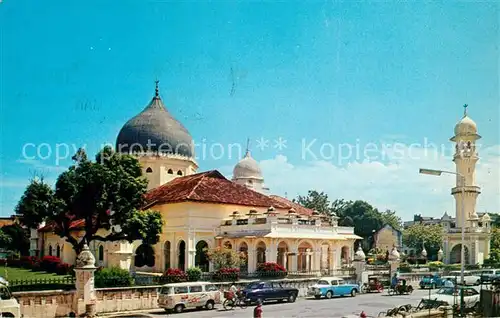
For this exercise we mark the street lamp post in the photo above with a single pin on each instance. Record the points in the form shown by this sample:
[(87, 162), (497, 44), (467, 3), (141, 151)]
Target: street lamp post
[(462, 249)]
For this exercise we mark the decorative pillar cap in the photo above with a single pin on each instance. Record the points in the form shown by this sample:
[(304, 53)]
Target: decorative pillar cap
[(359, 255), (394, 254), (85, 259)]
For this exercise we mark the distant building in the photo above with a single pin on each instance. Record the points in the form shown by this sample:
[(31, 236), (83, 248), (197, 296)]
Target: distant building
[(388, 237)]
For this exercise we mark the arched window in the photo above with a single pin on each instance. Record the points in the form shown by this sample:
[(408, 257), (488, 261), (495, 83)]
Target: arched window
[(149, 170), (179, 173), (144, 256), (101, 253), (170, 171), (58, 251), (201, 259), (50, 250)]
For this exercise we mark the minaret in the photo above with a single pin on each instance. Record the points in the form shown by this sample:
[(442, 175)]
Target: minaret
[(465, 159)]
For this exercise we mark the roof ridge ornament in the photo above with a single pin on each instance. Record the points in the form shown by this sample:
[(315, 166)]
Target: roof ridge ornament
[(465, 109)]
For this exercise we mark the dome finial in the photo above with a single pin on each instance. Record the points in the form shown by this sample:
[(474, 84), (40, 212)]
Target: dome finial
[(465, 109), (157, 92), (247, 151)]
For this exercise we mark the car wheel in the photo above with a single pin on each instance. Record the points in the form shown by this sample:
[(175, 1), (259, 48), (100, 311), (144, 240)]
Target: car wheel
[(329, 294), (259, 300), (317, 296), (209, 305), (179, 308), (354, 292), (291, 298)]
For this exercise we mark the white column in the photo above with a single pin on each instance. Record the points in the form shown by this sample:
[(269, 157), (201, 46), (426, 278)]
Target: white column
[(293, 260), (317, 260), (272, 252), (252, 261)]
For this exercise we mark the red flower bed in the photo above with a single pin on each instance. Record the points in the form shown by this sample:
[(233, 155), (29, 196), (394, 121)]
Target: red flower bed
[(49, 263), (271, 269), (175, 275), (64, 269), (227, 274)]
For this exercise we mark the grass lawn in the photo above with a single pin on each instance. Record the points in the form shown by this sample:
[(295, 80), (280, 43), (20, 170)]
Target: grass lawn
[(14, 273)]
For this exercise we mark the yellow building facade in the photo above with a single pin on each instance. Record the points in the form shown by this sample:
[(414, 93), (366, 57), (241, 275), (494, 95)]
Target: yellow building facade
[(205, 210)]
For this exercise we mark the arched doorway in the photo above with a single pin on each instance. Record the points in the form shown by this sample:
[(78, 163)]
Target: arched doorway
[(244, 250), (144, 256), (201, 259), (282, 257), (166, 254), (181, 255), (228, 245), (456, 254), (305, 257), (344, 255), (261, 253)]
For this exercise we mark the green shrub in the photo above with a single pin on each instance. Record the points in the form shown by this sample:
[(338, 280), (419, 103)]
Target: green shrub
[(452, 267), (194, 274), (113, 277), (404, 268)]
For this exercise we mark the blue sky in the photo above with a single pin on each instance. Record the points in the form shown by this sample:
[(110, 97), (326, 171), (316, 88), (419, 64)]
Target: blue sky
[(338, 72)]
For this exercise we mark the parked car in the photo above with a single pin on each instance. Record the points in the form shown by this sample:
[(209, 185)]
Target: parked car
[(431, 281), (332, 286), (451, 297), (487, 275), (264, 291), (179, 296), (469, 278), (9, 306)]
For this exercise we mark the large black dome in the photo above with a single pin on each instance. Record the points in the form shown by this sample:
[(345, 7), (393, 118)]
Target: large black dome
[(155, 130)]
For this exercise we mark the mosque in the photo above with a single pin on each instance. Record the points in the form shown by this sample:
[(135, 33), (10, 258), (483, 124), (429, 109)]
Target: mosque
[(205, 210)]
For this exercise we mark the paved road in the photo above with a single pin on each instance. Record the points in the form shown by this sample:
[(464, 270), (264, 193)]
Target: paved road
[(372, 304)]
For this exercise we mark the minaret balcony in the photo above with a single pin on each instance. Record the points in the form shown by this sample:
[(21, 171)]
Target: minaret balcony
[(468, 189)]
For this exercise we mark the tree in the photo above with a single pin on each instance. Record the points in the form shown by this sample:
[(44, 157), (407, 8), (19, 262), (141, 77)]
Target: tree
[(339, 206), (17, 238), (107, 194), (5, 240), (316, 201), (418, 234), (223, 257), (389, 217)]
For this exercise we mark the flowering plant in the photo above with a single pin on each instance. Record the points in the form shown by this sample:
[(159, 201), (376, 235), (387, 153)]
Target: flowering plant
[(227, 274), (175, 275), (271, 269)]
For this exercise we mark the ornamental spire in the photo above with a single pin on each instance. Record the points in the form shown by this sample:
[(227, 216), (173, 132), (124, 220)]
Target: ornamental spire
[(157, 92), (465, 109), (247, 151)]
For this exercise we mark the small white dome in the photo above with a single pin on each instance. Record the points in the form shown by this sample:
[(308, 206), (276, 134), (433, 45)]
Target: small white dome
[(486, 218), (359, 255), (247, 168), (474, 216), (465, 127), (424, 252), (395, 253), (440, 252)]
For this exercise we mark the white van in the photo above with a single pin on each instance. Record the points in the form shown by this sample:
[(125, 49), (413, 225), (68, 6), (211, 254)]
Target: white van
[(180, 296), (9, 306)]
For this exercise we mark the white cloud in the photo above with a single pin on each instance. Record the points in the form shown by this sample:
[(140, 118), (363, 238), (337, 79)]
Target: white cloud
[(392, 182)]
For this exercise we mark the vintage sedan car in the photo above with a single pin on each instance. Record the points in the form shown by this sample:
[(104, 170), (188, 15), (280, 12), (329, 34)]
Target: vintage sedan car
[(451, 296), (9, 306), (431, 281), (264, 291), (469, 278), (487, 275), (332, 286)]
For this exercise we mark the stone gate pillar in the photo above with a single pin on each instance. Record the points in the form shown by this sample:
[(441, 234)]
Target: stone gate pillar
[(394, 259), (85, 289), (359, 264)]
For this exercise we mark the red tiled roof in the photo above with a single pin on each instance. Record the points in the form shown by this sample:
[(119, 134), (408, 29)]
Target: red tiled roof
[(209, 187), (75, 225), (297, 207)]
